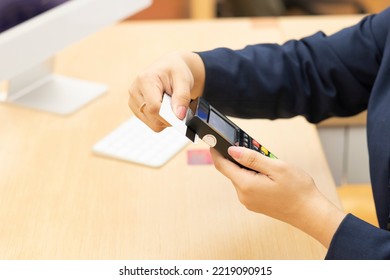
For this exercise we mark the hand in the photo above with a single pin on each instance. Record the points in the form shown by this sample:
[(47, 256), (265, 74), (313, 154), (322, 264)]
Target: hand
[(181, 75), (281, 191)]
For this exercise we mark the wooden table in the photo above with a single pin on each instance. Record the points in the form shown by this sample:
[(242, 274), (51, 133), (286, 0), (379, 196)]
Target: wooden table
[(60, 201)]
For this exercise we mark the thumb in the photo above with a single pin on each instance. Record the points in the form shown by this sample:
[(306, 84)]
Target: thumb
[(253, 160), (181, 92), (180, 103)]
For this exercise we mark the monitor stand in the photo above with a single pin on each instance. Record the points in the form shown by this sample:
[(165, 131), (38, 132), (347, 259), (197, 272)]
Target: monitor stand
[(39, 89)]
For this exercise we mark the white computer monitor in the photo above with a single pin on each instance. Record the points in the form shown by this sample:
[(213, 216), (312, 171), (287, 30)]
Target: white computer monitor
[(27, 50)]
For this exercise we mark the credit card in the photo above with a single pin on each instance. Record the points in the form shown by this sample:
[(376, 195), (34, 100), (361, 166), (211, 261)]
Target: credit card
[(199, 157), (167, 114)]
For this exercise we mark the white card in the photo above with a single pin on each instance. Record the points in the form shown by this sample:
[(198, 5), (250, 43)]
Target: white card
[(167, 114)]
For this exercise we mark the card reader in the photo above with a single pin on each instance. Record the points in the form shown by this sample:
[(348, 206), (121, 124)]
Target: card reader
[(215, 129)]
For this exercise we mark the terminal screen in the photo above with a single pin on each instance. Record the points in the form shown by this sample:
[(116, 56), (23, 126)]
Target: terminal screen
[(222, 126)]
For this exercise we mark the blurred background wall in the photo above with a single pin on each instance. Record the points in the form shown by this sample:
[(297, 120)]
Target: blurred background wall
[(177, 9)]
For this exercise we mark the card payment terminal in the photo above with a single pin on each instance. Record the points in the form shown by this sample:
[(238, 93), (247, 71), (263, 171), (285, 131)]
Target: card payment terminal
[(215, 129)]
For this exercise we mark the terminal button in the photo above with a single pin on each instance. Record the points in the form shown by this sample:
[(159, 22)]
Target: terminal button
[(210, 140)]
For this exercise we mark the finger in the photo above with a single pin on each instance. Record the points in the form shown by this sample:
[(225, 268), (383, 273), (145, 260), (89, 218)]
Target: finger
[(135, 101), (152, 95), (154, 124), (223, 165), (151, 88), (240, 177), (181, 94), (155, 121), (255, 160), (139, 107)]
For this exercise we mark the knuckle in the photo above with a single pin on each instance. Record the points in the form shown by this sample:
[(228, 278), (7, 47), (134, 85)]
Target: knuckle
[(145, 76), (130, 103), (243, 187), (184, 98), (251, 159), (152, 109), (244, 200), (246, 190), (157, 126), (281, 167), (132, 90)]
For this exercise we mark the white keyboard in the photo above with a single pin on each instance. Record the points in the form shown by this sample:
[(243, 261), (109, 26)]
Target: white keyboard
[(135, 142)]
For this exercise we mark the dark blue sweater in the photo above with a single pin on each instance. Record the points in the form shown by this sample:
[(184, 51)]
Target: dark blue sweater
[(319, 77)]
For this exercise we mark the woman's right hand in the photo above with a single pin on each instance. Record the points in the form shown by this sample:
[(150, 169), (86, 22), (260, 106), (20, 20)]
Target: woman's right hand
[(181, 75)]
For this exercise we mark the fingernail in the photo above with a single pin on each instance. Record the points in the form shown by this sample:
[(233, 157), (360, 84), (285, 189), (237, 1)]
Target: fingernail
[(181, 112), (235, 152)]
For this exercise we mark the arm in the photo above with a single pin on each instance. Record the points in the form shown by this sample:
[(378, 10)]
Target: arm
[(357, 239), (316, 77)]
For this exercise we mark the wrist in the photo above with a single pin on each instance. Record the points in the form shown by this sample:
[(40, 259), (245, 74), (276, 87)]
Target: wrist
[(319, 218)]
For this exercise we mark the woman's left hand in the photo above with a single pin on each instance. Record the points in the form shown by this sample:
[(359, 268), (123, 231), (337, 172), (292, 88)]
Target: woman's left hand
[(281, 191)]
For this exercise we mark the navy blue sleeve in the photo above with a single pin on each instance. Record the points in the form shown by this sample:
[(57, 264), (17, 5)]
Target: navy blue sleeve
[(318, 76), (356, 239)]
